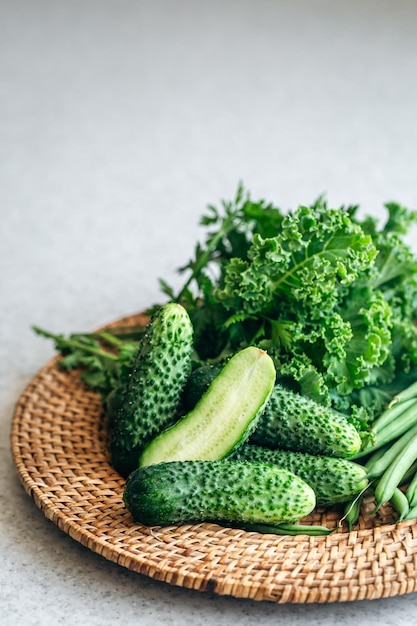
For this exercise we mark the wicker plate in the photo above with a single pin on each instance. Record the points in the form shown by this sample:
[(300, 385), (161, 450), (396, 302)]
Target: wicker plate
[(59, 445)]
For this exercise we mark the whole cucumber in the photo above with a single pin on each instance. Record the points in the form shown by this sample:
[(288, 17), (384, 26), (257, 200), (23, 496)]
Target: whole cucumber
[(149, 401), (294, 422), (290, 421), (333, 480), (233, 491), (198, 382)]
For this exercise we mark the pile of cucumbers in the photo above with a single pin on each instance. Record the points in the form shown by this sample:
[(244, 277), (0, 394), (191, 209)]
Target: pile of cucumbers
[(225, 443)]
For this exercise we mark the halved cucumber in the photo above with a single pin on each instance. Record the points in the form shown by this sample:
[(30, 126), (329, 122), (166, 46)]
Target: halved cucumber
[(223, 418)]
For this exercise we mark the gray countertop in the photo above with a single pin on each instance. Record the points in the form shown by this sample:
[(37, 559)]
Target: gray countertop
[(119, 122)]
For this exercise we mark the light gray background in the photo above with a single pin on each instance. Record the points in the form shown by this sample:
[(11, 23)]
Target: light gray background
[(119, 122)]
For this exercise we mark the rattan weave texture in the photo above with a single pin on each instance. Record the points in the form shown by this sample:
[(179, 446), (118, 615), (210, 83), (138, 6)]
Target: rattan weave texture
[(60, 448)]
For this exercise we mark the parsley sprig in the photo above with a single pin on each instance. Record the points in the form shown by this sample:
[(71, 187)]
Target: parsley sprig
[(103, 358)]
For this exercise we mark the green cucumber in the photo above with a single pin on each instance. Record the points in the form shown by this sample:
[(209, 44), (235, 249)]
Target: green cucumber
[(333, 480), (224, 417), (232, 491), (294, 422), (149, 401), (198, 382), (289, 421), (113, 404)]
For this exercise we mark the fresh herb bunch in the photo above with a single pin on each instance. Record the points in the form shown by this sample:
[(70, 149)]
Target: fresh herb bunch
[(331, 296), (103, 358)]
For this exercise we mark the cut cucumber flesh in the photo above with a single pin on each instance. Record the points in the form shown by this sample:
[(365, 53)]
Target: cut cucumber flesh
[(223, 418)]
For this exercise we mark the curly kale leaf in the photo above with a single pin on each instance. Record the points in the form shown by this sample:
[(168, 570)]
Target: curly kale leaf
[(369, 317), (229, 234), (300, 282), (394, 275), (331, 296), (308, 264)]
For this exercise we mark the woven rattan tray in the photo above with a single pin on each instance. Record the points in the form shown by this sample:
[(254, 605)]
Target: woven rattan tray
[(59, 445)]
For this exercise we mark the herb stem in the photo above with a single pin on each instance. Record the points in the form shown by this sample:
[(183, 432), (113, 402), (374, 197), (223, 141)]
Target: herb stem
[(205, 257), (74, 343)]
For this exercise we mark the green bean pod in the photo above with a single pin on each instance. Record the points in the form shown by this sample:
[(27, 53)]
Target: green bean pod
[(391, 425), (374, 458), (393, 455), (352, 511), (290, 529), (398, 427), (405, 394), (399, 503), (411, 491), (394, 473), (412, 513), (409, 475), (390, 414)]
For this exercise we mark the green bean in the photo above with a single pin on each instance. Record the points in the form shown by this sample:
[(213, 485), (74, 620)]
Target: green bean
[(409, 474), (387, 432), (290, 529), (399, 503), (374, 458), (352, 511), (411, 492), (406, 394), (390, 414), (353, 508), (392, 476), (412, 513), (392, 454), (399, 426)]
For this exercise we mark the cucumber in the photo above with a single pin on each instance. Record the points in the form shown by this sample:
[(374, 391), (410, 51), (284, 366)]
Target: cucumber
[(113, 404), (224, 417), (289, 421), (333, 480), (233, 491), (297, 423), (198, 382), (149, 401)]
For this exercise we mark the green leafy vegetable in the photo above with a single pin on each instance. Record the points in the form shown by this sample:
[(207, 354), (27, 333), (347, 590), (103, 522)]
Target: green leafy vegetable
[(331, 296), (104, 358)]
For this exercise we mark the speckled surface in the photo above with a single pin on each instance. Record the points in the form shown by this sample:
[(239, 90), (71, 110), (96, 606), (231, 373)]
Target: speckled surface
[(119, 122)]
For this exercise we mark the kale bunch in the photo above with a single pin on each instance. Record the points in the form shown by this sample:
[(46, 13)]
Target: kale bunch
[(331, 296)]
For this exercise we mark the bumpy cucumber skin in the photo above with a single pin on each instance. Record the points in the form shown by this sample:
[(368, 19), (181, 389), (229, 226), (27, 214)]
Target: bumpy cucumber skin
[(154, 386), (225, 416), (290, 421), (333, 480), (197, 384), (294, 422), (113, 404), (232, 491)]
